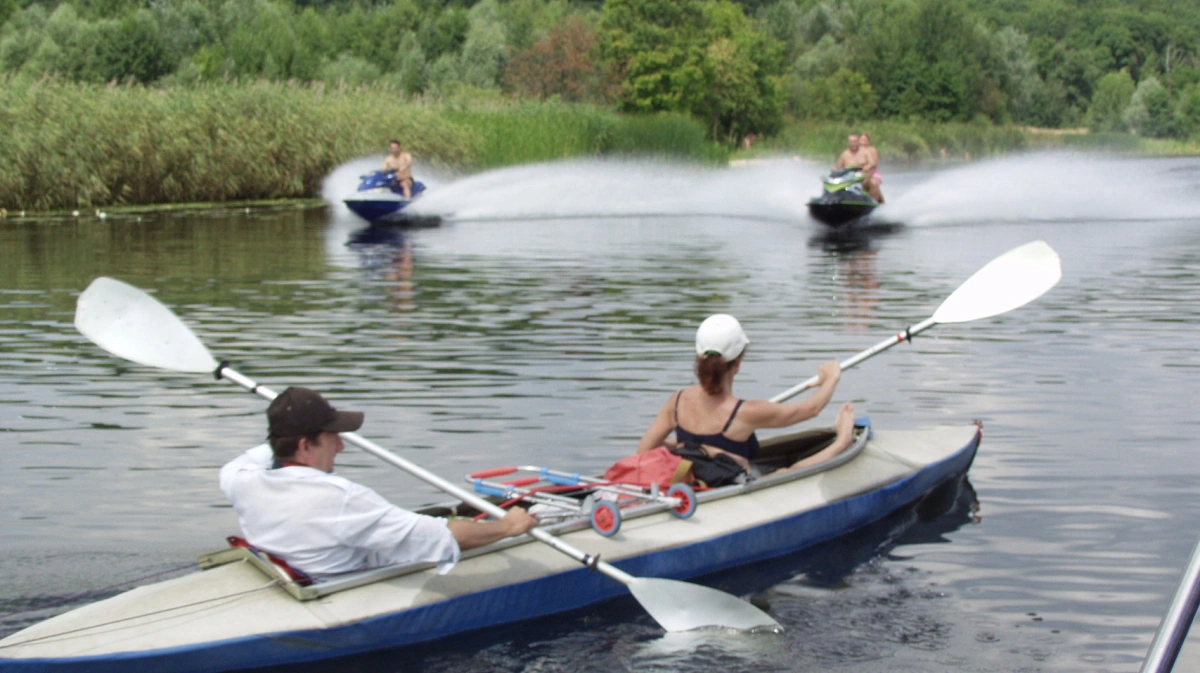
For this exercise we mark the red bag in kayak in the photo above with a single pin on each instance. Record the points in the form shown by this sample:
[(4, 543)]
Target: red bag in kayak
[(656, 466)]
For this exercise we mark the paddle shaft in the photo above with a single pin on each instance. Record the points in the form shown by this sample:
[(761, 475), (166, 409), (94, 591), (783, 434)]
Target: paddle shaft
[(878, 348), (223, 371), (1173, 629)]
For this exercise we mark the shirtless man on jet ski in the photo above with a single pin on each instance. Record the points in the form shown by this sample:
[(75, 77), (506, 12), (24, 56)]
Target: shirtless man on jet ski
[(400, 162), (865, 159)]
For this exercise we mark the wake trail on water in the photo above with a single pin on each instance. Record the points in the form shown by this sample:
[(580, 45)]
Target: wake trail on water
[(1027, 187), (598, 188), (1050, 187)]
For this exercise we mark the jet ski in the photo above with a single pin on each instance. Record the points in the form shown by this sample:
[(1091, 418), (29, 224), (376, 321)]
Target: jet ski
[(844, 199), (380, 200)]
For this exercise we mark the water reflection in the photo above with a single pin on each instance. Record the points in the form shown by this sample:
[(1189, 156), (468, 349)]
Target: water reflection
[(860, 273), (387, 253), (849, 239)]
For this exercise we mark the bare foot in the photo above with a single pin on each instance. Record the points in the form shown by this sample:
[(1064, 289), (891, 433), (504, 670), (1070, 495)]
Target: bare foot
[(845, 426), (845, 437)]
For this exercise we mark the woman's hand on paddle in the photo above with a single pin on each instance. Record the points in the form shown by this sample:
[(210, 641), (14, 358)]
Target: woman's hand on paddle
[(830, 372)]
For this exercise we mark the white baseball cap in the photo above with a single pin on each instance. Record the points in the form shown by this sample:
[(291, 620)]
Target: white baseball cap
[(721, 334)]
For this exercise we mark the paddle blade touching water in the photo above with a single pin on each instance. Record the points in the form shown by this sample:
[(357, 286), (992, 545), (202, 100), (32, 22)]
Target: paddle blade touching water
[(131, 324), (683, 606), (1010, 281)]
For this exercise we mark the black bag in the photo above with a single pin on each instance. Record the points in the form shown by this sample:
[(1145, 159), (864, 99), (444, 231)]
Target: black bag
[(710, 471)]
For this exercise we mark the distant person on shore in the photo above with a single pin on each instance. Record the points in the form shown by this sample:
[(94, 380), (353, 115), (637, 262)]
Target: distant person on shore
[(400, 163), (874, 178)]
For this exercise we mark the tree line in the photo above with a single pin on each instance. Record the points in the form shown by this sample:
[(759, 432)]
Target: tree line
[(736, 67)]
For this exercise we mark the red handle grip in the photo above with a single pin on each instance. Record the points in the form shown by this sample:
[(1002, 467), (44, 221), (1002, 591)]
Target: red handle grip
[(494, 472)]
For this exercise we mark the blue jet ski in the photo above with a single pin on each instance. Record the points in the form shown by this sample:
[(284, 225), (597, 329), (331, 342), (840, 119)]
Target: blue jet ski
[(380, 200)]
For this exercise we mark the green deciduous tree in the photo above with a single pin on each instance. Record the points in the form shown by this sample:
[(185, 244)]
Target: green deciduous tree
[(1187, 114), (845, 95), (1149, 112), (703, 57), (656, 47), (1114, 92), (485, 50)]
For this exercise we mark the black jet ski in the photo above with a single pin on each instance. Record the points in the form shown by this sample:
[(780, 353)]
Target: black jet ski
[(844, 200)]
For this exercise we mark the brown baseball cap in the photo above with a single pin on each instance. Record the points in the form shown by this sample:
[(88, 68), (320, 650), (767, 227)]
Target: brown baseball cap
[(297, 412)]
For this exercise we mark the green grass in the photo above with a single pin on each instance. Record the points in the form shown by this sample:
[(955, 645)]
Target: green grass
[(516, 133), (73, 145)]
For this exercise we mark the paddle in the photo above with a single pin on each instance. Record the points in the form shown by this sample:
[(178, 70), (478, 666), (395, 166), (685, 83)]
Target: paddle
[(131, 324), (1010, 281)]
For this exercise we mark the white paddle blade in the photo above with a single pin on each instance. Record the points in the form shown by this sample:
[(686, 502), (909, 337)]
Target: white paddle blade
[(131, 324), (683, 606), (1011, 280)]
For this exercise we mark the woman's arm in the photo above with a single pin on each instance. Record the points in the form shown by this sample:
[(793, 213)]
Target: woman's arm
[(766, 414)]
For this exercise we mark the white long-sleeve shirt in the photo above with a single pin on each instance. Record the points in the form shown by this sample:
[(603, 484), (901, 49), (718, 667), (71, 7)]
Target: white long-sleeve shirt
[(324, 524)]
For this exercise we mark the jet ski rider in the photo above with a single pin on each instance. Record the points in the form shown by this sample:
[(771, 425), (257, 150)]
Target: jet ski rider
[(866, 160), (400, 163)]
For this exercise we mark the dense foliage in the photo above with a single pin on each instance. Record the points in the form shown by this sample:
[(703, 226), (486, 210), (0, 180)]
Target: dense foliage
[(737, 67)]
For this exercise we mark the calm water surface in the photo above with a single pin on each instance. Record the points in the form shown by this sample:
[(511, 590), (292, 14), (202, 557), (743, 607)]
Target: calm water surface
[(547, 321)]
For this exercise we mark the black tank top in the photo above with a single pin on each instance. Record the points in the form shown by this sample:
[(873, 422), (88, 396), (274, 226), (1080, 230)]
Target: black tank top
[(747, 449)]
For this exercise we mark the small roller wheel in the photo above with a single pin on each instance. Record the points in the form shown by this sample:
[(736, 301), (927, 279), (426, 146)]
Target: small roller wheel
[(606, 519), (687, 500)]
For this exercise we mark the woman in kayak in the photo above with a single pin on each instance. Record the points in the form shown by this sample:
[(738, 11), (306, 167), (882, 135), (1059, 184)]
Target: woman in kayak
[(709, 415)]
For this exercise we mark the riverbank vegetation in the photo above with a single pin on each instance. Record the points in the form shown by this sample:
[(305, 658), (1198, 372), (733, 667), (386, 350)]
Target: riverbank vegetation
[(129, 100), (71, 145)]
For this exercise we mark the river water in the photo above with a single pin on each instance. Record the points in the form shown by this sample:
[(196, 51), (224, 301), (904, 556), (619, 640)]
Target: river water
[(548, 318)]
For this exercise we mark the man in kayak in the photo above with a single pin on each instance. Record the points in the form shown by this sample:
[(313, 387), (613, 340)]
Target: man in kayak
[(709, 415), (290, 503), (865, 159), (400, 163), (874, 179)]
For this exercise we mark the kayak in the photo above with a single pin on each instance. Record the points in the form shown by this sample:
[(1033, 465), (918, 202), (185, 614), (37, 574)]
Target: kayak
[(240, 612)]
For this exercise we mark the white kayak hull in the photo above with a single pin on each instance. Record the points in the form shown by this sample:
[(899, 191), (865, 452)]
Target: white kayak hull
[(233, 616)]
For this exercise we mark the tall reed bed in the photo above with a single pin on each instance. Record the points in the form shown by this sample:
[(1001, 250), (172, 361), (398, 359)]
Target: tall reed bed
[(73, 145), (70, 145), (515, 133)]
